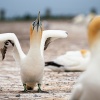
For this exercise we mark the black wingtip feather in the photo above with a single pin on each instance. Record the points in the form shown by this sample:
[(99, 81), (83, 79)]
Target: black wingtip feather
[(3, 52), (4, 49), (11, 42)]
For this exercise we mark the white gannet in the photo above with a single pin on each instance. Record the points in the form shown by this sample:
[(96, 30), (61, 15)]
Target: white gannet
[(79, 19), (88, 85), (70, 61), (82, 19), (31, 64)]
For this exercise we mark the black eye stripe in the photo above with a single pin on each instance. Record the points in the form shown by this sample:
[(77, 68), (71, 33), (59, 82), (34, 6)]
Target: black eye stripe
[(33, 23)]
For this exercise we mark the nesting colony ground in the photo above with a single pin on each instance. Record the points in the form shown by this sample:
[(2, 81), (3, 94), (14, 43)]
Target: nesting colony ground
[(59, 85)]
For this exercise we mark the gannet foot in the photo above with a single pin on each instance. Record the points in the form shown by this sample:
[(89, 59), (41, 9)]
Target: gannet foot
[(39, 89), (25, 88)]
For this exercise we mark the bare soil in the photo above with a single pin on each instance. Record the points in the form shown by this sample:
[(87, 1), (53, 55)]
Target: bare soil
[(58, 85)]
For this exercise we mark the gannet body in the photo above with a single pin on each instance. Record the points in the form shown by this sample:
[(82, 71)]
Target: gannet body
[(70, 61), (88, 85), (32, 64)]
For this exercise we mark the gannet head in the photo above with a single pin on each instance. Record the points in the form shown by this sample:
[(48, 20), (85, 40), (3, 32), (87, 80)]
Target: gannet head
[(83, 52), (36, 28), (94, 31)]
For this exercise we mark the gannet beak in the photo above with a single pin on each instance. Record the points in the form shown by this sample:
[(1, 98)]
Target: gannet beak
[(38, 21)]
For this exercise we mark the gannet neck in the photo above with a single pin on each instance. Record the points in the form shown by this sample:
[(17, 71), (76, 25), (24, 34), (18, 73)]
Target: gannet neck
[(94, 36), (35, 39), (35, 46), (18, 54), (94, 30), (94, 39), (95, 49)]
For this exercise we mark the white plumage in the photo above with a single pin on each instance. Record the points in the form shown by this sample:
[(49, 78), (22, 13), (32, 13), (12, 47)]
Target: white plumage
[(88, 86), (70, 61), (31, 64)]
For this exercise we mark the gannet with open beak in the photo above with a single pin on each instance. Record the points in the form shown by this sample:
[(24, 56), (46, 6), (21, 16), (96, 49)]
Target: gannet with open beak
[(32, 64), (88, 86), (71, 61)]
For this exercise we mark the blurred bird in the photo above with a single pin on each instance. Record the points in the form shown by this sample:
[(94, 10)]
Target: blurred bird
[(70, 61), (88, 86), (79, 19), (82, 19), (32, 64)]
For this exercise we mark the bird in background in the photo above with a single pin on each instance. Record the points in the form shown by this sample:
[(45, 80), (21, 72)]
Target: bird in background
[(71, 61), (31, 64), (88, 84), (82, 19)]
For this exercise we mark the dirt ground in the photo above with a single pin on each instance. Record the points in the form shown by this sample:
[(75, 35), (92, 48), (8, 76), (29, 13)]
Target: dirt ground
[(58, 85)]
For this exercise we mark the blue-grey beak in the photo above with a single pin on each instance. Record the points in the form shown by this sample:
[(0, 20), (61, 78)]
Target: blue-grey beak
[(38, 21)]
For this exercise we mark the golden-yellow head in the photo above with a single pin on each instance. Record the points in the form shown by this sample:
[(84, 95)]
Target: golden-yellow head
[(36, 28), (83, 52), (94, 30)]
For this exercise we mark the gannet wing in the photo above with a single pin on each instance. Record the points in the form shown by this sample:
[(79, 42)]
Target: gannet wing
[(48, 41), (51, 35), (5, 40)]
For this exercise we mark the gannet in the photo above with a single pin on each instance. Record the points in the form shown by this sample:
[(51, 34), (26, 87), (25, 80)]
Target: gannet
[(70, 61), (79, 19), (31, 64), (82, 19), (88, 85)]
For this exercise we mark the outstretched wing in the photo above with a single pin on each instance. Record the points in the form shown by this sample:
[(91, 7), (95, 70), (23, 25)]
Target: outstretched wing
[(5, 40), (51, 35)]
